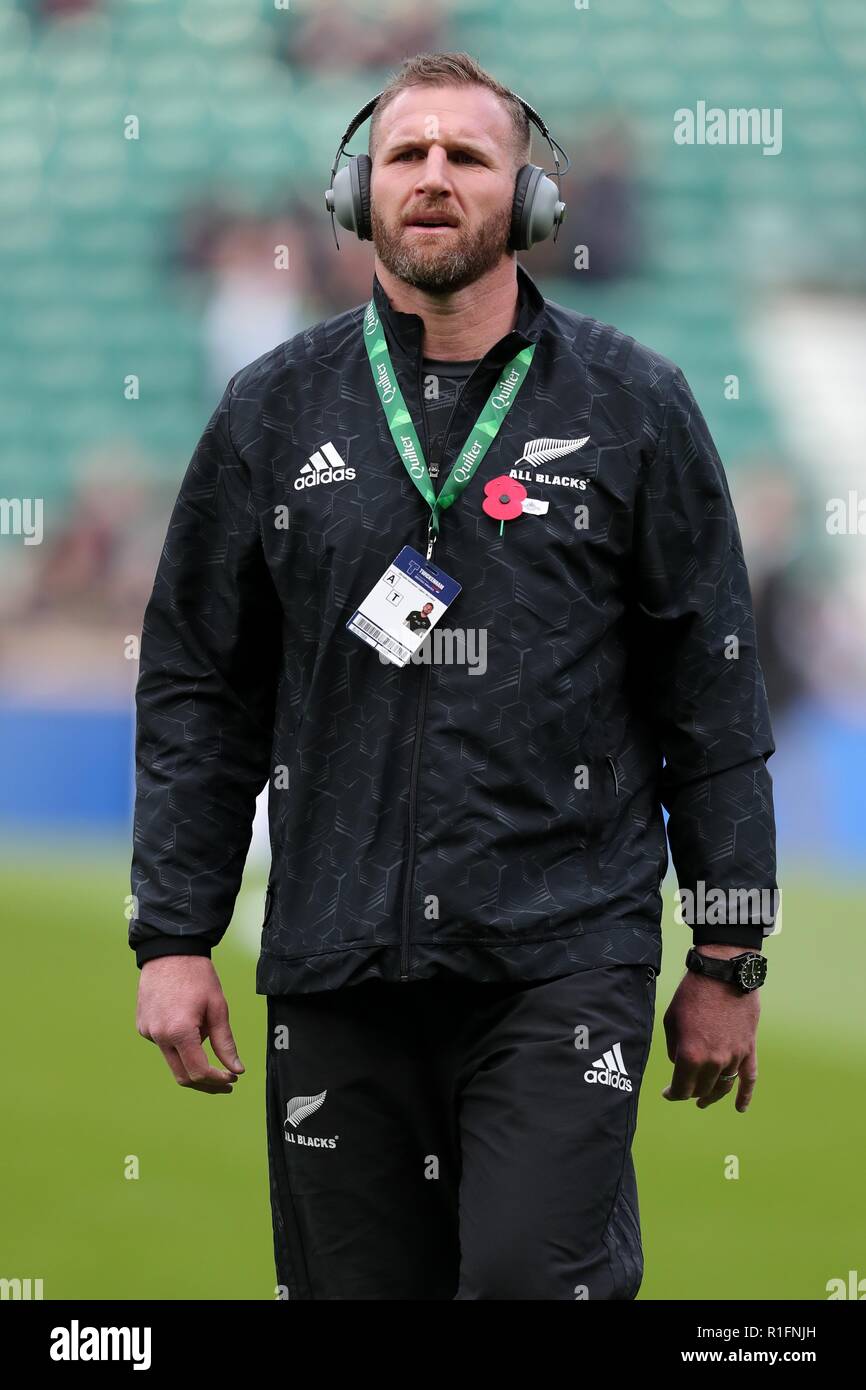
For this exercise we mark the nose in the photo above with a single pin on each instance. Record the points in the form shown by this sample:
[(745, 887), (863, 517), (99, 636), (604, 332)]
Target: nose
[(433, 175)]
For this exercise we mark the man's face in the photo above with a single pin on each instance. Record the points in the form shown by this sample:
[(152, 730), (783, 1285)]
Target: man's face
[(442, 186)]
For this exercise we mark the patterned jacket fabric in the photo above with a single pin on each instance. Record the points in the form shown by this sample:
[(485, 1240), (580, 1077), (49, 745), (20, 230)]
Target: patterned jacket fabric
[(494, 819)]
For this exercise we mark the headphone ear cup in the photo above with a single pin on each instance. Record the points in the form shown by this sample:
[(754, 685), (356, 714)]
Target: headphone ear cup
[(521, 187), (351, 196), (362, 169), (536, 210)]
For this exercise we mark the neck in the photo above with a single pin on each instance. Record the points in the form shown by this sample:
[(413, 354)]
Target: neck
[(465, 324)]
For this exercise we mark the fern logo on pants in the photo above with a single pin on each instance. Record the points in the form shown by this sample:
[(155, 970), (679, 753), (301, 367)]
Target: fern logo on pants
[(298, 1109)]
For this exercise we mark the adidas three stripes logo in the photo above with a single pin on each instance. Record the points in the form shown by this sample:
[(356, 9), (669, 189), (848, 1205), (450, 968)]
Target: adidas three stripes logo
[(609, 1070), (324, 466)]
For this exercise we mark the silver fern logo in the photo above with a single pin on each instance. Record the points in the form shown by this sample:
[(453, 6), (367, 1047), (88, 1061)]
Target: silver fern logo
[(301, 1106), (298, 1109), (538, 451), (530, 467)]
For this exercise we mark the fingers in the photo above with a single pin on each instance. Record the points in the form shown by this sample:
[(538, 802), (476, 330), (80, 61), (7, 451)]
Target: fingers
[(670, 1034), (690, 1079), (720, 1087), (182, 1077), (195, 1062), (748, 1077), (220, 1034), (706, 1082)]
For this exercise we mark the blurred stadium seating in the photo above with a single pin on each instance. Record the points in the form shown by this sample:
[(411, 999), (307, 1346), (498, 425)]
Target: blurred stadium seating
[(117, 255), (88, 293)]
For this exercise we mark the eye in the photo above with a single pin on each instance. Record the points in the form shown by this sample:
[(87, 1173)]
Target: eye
[(458, 156)]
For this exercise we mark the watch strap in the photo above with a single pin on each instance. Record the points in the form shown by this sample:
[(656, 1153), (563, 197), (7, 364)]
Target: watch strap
[(747, 971)]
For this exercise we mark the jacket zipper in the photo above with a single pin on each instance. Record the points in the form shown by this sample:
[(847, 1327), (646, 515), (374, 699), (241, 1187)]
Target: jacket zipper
[(433, 466), (413, 797)]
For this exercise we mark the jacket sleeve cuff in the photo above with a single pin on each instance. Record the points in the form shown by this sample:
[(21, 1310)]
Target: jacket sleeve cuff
[(750, 938), (170, 946)]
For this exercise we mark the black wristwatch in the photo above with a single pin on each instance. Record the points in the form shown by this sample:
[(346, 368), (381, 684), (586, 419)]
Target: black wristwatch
[(746, 972)]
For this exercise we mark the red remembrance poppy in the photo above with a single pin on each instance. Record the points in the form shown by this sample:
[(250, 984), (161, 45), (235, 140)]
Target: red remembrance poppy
[(503, 499)]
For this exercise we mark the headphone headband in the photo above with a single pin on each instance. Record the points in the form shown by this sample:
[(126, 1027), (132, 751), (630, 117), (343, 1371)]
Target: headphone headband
[(531, 114)]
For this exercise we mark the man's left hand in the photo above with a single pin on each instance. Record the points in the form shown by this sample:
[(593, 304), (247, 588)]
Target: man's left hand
[(711, 1030)]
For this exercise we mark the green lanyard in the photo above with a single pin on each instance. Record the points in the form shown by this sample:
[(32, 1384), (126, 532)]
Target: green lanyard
[(408, 446)]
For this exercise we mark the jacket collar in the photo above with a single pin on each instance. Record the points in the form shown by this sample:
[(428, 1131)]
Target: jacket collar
[(406, 331)]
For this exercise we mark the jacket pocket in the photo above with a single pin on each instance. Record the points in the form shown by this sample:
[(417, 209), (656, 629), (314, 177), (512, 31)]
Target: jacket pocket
[(601, 792), (612, 774), (650, 994), (607, 795)]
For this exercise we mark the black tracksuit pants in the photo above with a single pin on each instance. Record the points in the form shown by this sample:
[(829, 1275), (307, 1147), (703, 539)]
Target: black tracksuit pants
[(458, 1140)]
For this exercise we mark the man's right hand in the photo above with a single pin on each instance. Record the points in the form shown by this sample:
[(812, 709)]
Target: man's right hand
[(180, 1005)]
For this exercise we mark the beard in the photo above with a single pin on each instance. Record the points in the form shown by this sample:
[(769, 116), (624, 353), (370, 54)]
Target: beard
[(440, 267)]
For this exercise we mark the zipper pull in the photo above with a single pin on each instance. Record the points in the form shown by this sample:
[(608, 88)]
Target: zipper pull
[(435, 458)]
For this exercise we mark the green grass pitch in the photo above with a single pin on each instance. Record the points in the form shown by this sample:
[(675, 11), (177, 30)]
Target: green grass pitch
[(83, 1092)]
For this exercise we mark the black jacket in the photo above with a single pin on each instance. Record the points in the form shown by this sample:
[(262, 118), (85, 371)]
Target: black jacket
[(417, 621), (504, 824)]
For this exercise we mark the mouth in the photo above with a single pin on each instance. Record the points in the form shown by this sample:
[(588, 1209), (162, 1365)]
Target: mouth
[(429, 222)]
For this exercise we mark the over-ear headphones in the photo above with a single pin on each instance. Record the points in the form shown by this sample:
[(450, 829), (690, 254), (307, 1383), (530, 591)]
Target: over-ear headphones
[(537, 209)]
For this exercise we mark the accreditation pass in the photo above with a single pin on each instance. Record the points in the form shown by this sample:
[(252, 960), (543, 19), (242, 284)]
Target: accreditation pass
[(403, 606)]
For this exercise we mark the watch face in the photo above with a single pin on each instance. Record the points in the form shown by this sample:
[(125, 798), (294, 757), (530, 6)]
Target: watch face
[(752, 972)]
